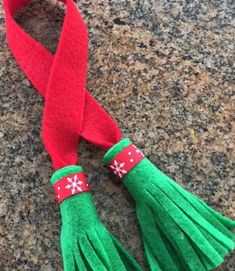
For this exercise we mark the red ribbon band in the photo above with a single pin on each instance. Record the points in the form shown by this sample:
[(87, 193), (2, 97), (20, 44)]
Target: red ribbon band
[(71, 185), (126, 160)]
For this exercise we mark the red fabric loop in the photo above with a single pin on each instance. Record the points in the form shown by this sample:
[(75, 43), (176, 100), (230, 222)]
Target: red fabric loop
[(70, 111)]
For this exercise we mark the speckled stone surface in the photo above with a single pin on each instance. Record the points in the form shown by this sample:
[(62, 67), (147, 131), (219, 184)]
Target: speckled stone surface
[(165, 71)]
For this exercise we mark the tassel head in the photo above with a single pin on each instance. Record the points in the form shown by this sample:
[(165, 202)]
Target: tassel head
[(85, 243), (180, 231)]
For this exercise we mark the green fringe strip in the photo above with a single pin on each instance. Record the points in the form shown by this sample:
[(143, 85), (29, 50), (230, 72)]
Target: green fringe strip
[(85, 243), (180, 231)]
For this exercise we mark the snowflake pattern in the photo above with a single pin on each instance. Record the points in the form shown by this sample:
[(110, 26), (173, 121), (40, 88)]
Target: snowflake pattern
[(118, 169), (138, 150), (74, 184)]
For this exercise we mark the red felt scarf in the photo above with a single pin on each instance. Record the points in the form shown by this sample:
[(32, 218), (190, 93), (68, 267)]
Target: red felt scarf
[(70, 111)]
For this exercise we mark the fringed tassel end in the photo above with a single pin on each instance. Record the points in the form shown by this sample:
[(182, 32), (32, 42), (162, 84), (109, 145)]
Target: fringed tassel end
[(180, 232), (95, 249), (85, 242)]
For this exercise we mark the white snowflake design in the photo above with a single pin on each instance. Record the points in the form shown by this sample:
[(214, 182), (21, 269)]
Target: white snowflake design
[(118, 168), (74, 184), (138, 151)]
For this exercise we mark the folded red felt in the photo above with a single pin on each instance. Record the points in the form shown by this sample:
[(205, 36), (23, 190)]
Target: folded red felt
[(70, 111)]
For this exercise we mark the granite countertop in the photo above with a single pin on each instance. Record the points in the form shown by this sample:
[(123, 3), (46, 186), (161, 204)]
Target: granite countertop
[(164, 70)]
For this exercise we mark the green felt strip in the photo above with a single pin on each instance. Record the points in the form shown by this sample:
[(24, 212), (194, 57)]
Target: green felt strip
[(172, 251), (86, 244), (204, 260), (205, 211), (210, 263), (129, 262), (175, 234), (176, 201), (180, 231), (114, 259), (223, 219), (80, 264), (90, 254), (68, 261), (152, 261), (65, 171), (150, 229), (199, 204), (99, 247), (186, 226)]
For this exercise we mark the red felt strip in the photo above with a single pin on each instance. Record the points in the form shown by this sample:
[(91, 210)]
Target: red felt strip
[(70, 111)]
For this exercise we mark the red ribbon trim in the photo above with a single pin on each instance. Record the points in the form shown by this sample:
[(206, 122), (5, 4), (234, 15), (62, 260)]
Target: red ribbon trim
[(71, 185), (126, 160)]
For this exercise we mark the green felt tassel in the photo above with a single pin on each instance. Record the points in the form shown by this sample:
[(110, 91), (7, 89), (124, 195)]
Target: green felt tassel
[(86, 244), (180, 232)]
